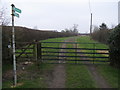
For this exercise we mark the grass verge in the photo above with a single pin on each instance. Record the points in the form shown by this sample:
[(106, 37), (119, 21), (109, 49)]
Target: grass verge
[(108, 72)]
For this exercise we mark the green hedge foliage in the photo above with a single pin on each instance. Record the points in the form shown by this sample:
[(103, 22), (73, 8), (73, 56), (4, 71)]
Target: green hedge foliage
[(114, 44)]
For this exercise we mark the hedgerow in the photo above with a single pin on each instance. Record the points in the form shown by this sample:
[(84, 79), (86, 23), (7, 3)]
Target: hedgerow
[(114, 44)]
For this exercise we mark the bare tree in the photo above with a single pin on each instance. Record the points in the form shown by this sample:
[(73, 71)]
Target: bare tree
[(4, 19), (75, 28)]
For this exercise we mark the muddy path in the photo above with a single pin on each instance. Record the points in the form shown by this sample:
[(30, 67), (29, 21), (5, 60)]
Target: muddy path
[(59, 73)]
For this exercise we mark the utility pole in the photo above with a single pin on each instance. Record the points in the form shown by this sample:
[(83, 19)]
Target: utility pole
[(13, 46), (91, 24)]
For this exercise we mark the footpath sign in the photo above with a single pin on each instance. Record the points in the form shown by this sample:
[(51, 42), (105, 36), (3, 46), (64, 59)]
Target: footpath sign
[(15, 12)]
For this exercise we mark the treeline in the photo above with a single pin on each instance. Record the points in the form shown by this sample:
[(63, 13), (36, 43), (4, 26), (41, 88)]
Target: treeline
[(23, 34), (111, 37), (101, 33)]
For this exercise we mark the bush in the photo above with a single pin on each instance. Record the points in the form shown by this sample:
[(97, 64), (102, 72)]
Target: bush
[(101, 33), (114, 44)]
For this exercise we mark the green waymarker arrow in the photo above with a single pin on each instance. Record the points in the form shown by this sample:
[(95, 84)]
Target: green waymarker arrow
[(17, 10), (15, 14)]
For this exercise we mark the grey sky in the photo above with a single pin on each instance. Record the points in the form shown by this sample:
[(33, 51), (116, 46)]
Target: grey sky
[(61, 14)]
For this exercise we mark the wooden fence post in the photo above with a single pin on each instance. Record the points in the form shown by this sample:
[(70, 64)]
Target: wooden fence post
[(39, 51), (35, 51)]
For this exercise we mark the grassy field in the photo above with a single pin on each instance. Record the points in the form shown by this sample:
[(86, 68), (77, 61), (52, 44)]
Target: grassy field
[(49, 51)]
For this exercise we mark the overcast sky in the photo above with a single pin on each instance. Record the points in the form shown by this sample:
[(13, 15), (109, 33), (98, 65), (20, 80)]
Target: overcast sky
[(61, 14)]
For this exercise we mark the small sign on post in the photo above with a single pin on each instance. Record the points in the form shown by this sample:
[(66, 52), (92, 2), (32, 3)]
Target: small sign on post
[(14, 10), (17, 10), (15, 14)]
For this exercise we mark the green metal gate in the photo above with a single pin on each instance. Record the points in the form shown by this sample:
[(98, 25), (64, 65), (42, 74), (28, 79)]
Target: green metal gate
[(73, 55)]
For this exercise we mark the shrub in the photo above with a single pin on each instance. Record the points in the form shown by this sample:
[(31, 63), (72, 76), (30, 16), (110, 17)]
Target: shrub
[(114, 44), (101, 33)]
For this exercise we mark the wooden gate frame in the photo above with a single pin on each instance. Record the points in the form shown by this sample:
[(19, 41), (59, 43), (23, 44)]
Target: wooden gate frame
[(36, 50)]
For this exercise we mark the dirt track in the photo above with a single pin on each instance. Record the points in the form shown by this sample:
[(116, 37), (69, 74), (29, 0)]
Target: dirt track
[(59, 75)]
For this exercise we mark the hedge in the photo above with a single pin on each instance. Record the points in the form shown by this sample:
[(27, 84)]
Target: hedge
[(114, 44)]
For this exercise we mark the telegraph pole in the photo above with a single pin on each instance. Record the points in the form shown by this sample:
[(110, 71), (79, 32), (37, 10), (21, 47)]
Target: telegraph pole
[(91, 24), (13, 47)]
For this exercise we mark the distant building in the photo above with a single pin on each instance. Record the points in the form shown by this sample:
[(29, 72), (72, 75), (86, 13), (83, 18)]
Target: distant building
[(119, 12)]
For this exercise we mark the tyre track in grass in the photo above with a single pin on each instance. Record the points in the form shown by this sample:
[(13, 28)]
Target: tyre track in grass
[(100, 81)]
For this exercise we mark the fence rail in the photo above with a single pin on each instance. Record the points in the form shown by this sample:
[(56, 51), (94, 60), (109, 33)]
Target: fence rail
[(75, 60), (74, 48), (71, 42), (75, 52)]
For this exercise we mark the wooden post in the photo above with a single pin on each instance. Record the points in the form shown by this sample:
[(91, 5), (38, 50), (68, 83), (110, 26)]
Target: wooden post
[(39, 51), (35, 51)]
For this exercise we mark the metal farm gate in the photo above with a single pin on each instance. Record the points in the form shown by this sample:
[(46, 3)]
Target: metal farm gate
[(71, 52)]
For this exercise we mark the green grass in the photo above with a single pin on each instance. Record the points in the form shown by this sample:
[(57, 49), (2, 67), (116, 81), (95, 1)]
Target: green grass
[(52, 50), (87, 39), (108, 72), (77, 76)]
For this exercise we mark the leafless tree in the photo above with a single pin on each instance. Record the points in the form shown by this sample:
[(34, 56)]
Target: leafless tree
[(75, 28), (4, 19)]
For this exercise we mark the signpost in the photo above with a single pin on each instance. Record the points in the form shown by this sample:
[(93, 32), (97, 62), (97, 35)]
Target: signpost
[(14, 10)]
